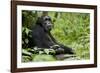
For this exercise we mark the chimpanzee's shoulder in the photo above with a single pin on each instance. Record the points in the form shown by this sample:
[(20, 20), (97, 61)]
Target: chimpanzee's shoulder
[(37, 30)]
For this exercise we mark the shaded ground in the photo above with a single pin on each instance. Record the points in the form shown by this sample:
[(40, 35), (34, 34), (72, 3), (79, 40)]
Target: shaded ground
[(45, 55)]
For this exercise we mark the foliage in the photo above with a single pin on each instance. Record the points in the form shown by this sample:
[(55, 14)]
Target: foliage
[(70, 28), (38, 54), (26, 37)]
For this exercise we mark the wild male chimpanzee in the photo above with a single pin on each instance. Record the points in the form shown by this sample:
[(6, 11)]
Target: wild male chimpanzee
[(43, 39)]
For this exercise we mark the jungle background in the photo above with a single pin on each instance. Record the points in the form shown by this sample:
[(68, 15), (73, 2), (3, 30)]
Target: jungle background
[(69, 28)]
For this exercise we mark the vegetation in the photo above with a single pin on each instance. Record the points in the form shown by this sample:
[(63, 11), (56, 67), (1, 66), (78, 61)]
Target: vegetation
[(70, 28)]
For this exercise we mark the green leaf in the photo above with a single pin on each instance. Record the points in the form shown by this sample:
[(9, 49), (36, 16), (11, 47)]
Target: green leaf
[(26, 59), (46, 51), (41, 52), (27, 31), (26, 41), (25, 52), (35, 48)]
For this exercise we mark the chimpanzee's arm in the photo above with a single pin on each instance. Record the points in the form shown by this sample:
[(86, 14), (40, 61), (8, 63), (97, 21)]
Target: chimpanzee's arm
[(65, 48), (53, 39), (41, 38)]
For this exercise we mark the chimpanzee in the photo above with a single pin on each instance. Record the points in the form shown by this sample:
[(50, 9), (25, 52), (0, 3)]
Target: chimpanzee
[(43, 39)]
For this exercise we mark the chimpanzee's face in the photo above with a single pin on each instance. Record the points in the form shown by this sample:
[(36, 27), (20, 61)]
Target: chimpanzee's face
[(47, 23)]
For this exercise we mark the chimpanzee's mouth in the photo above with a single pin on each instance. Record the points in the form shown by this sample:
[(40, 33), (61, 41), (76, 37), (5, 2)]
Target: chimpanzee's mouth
[(49, 27)]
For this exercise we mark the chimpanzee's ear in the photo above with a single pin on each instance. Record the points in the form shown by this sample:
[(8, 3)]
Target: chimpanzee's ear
[(39, 21)]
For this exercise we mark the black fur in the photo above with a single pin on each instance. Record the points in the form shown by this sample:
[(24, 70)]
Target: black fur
[(43, 39)]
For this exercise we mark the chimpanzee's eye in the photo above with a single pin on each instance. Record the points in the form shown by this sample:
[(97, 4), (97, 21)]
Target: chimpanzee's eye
[(49, 19), (46, 19)]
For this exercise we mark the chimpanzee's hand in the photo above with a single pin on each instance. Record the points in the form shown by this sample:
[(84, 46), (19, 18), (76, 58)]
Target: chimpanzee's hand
[(55, 47), (59, 50)]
